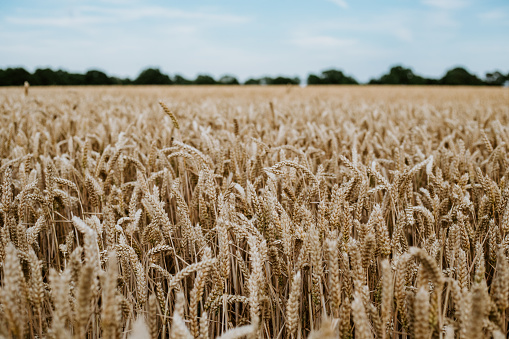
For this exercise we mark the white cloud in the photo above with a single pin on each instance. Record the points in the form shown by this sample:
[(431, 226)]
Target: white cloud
[(403, 34), (169, 13), (493, 15), (321, 41), (340, 3), (397, 25), (55, 21), (442, 19), (87, 15), (447, 4)]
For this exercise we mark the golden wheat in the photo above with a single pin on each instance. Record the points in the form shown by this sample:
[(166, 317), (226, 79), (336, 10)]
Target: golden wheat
[(261, 212)]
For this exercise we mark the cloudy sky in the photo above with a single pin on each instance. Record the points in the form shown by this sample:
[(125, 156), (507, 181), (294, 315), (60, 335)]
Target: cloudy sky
[(254, 38)]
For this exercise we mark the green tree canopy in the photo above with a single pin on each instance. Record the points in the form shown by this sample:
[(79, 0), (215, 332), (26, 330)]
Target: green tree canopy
[(94, 77), (331, 77), (399, 75), (460, 76), (228, 80), (281, 80), (203, 79), (496, 78), (180, 80), (314, 79), (45, 77), (14, 76), (152, 76), (252, 81)]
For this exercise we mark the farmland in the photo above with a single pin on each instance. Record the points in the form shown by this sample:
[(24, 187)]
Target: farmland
[(274, 212)]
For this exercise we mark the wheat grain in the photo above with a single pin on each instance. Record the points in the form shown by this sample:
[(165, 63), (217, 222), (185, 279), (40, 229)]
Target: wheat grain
[(421, 312), (360, 318), (170, 114), (110, 313), (292, 307), (12, 292)]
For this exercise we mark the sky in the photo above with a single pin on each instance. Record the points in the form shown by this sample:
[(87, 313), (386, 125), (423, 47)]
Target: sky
[(256, 38)]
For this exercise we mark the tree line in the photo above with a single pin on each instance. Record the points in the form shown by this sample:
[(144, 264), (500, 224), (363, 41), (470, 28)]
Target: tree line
[(397, 75)]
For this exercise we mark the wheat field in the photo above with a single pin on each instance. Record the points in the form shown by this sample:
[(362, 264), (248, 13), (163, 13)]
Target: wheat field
[(258, 212)]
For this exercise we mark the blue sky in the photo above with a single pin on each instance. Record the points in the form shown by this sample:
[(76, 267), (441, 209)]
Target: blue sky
[(254, 38)]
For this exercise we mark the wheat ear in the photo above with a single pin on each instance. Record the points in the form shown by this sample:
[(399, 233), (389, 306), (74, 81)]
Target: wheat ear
[(170, 114)]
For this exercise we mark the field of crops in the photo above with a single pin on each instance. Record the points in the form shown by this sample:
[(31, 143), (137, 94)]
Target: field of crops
[(259, 212)]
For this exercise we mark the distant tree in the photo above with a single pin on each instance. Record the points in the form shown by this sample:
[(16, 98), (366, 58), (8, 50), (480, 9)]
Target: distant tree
[(280, 81), (72, 78), (44, 77), (252, 81), (399, 75), (95, 77), (331, 77), (314, 79), (266, 81), (152, 76), (228, 80), (335, 77), (48, 77), (120, 81), (14, 77), (460, 76), (429, 81), (496, 78), (180, 80), (204, 79), (63, 78)]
